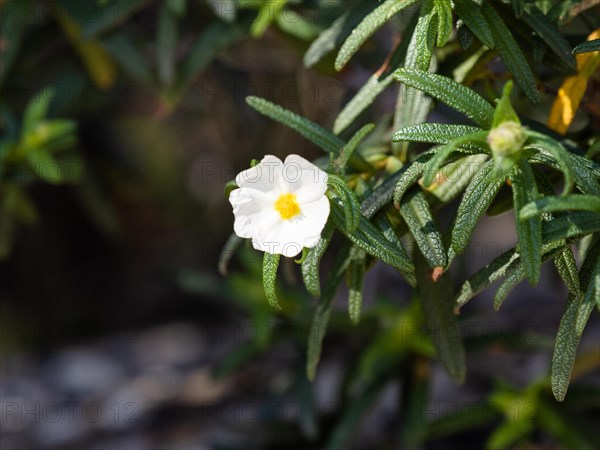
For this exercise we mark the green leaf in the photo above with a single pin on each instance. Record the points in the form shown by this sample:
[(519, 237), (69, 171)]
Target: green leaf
[(322, 314), (362, 100), (456, 176), (111, 16), (511, 53), (573, 202), (432, 167), (504, 111), (470, 12), (551, 35), (355, 277), (434, 133), (515, 277), (166, 43), (565, 349), (310, 130), (336, 33), (450, 92), (349, 201), (444, 13), (587, 47), (37, 109), (485, 277), (409, 175), (412, 105), (312, 261), (270, 264), (476, 199), (268, 11), (558, 153), (529, 231), (213, 39), (232, 244), (367, 27), (572, 225), (567, 269), (370, 239), (441, 320), (44, 165), (590, 271), (128, 56), (425, 32), (584, 178), (340, 163), (415, 211)]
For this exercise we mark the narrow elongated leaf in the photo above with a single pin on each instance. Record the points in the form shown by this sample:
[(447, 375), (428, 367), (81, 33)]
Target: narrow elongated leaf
[(558, 153), (425, 32), (322, 314), (444, 13), (478, 196), (166, 42), (568, 203), (529, 231), (37, 109), (565, 349), (355, 276), (440, 318), (456, 176), (586, 181), (432, 167), (111, 16), (485, 277), (511, 53), (450, 92), (333, 36), (434, 133), (470, 12), (367, 27), (409, 175), (412, 105), (587, 47), (576, 224), (128, 56), (340, 163), (349, 202), (551, 35), (415, 211), (310, 130), (361, 101), (213, 39), (232, 244), (312, 261), (590, 270), (370, 239), (567, 269), (270, 264), (515, 277)]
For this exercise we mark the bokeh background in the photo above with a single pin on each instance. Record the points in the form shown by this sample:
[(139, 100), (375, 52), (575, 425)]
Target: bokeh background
[(116, 329)]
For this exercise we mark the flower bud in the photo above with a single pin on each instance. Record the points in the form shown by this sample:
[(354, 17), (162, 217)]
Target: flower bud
[(506, 139)]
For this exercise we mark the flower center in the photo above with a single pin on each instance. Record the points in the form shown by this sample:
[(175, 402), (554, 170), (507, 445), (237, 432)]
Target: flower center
[(287, 206)]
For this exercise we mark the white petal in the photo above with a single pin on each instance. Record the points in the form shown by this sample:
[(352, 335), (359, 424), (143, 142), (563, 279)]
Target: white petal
[(287, 237), (303, 178), (264, 176), (249, 207)]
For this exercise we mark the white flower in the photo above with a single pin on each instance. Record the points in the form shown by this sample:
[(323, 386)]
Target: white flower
[(281, 206)]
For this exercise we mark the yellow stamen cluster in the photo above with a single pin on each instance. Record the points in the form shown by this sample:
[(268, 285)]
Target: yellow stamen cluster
[(287, 206)]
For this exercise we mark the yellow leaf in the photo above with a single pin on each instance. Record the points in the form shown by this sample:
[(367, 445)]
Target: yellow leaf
[(96, 59), (571, 92)]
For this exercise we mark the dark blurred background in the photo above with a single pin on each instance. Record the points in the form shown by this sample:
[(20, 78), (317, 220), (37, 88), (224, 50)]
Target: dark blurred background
[(116, 330)]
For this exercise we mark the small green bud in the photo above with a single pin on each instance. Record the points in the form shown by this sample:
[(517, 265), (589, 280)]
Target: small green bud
[(506, 139)]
